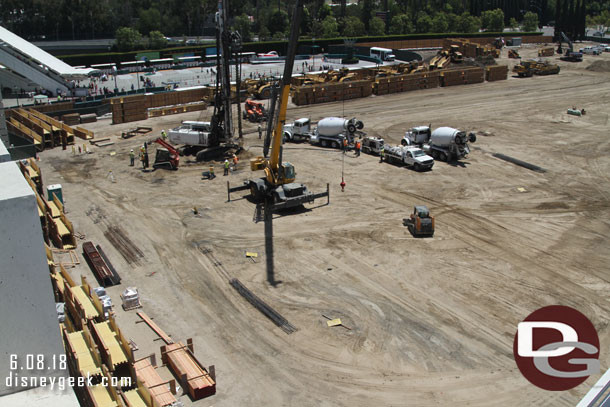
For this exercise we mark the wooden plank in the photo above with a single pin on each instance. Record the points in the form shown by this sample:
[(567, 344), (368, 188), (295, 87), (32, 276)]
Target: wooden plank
[(184, 364), (146, 372), (156, 328)]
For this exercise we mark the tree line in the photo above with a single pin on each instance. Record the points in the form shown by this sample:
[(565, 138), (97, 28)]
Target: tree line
[(147, 23)]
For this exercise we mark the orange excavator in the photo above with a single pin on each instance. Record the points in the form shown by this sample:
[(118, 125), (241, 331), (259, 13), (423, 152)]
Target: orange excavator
[(254, 111), (167, 156)]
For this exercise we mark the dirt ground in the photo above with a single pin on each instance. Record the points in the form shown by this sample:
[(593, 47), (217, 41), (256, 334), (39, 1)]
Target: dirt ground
[(431, 321)]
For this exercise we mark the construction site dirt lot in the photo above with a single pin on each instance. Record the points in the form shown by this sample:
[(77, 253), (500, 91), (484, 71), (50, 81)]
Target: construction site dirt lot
[(431, 321)]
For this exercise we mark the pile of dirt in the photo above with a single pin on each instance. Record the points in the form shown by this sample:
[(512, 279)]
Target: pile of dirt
[(599, 66)]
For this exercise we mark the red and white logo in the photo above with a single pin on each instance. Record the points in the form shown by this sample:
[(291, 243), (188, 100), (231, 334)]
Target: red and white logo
[(556, 348)]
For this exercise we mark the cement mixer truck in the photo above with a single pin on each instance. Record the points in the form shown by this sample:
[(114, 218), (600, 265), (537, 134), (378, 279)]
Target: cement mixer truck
[(444, 143), (331, 131)]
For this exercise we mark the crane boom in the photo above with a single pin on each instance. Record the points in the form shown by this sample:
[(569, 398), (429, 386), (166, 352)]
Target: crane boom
[(276, 144)]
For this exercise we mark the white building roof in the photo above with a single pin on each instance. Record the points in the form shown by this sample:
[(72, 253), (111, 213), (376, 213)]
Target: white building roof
[(8, 39)]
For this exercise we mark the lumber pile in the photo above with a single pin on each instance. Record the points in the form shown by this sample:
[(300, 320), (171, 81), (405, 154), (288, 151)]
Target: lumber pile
[(88, 118), (406, 82), (71, 119), (128, 109), (331, 92), (169, 110), (453, 77), (193, 376), (496, 73)]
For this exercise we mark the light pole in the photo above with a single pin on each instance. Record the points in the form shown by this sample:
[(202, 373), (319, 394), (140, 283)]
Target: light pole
[(17, 95)]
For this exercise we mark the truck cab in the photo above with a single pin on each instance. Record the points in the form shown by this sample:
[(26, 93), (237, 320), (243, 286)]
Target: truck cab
[(300, 129), (416, 136), (416, 157)]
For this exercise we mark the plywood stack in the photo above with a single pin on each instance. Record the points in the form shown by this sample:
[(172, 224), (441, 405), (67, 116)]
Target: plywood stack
[(406, 82), (88, 118), (169, 110), (71, 119), (128, 109), (193, 376), (331, 92), (496, 73), (453, 77)]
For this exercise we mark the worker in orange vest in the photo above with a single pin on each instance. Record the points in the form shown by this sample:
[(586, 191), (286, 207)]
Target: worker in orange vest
[(345, 144), (357, 151), (235, 160)]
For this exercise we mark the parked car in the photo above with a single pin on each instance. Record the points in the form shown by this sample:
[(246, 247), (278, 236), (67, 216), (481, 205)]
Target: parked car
[(590, 50), (191, 42), (607, 48)]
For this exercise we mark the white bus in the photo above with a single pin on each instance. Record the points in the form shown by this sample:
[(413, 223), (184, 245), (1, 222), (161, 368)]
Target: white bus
[(385, 54)]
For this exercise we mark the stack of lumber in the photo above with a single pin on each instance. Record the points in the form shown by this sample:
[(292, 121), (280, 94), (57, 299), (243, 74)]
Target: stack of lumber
[(71, 119), (331, 92), (43, 131), (88, 118), (128, 109), (453, 77), (168, 110), (496, 73), (407, 82), (193, 376)]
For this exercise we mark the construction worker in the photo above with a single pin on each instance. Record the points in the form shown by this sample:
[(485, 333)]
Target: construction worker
[(381, 154), (163, 135), (132, 158), (211, 175), (142, 154), (235, 161), (226, 167), (357, 152), (345, 144), (260, 132)]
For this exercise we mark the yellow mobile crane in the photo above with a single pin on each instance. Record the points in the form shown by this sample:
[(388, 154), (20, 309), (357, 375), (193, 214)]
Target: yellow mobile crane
[(277, 187)]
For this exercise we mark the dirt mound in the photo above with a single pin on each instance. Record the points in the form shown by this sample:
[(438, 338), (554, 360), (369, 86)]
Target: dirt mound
[(599, 66)]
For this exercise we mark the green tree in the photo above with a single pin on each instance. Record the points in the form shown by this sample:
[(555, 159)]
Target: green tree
[(440, 23), (467, 23), (316, 29), (278, 22), (156, 40), (496, 21), (263, 33), (513, 24), (150, 20), (424, 23), (324, 12), (401, 24), (376, 26), (530, 21), (243, 26), (367, 10), (330, 27), (353, 27), (127, 38)]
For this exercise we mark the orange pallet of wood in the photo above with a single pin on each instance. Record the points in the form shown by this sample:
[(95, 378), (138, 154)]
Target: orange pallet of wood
[(147, 374), (193, 376)]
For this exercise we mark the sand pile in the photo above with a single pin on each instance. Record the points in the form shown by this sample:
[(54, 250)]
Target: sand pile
[(599, 66)]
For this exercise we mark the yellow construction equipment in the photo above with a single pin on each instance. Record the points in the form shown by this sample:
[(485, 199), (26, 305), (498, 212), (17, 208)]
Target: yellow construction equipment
[(277, 187), (533, 67)]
